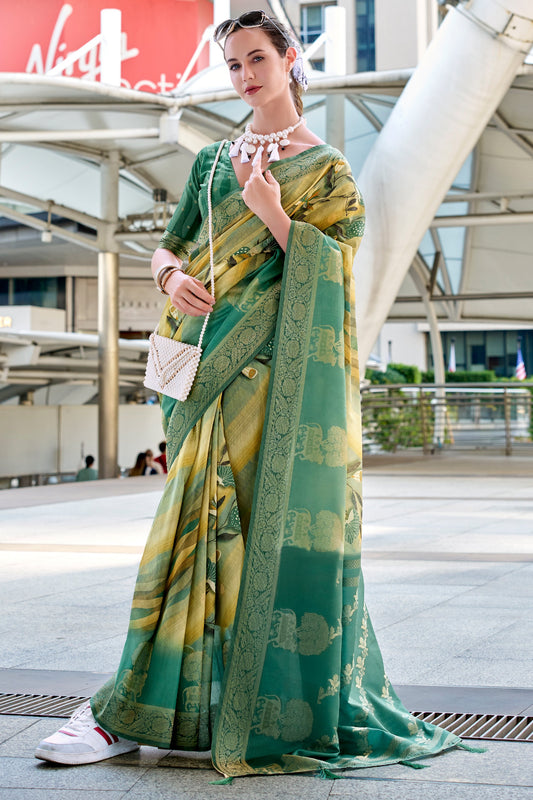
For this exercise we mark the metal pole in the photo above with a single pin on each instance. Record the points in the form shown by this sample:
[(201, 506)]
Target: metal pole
[(438, 353), (108, 371), (423, 420), (507, 413)]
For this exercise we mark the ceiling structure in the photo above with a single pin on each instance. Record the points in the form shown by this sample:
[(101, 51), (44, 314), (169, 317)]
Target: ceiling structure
[(478, 252), (56, 133)]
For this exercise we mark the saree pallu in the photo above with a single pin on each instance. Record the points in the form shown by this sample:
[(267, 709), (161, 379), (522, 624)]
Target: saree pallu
[(249, 632)]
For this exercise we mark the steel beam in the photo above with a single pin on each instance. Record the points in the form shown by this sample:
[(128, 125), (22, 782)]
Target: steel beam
[(472, 296), (471, 220)]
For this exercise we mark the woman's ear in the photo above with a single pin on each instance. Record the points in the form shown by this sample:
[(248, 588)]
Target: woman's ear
[(290, 56)]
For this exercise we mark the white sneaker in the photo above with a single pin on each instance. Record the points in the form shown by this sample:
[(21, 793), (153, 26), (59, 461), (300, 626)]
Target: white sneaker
[(82, 741)]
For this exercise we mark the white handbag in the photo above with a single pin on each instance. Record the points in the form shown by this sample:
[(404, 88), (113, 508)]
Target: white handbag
[(172, 365)]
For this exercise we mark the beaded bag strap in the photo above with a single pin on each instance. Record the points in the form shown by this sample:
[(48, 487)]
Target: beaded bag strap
[(210, 230)]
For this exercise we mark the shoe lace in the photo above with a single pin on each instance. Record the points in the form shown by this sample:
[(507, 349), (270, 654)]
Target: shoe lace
[(81, 719)]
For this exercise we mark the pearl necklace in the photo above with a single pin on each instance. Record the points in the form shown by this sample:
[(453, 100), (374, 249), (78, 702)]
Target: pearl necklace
[(246, 143)]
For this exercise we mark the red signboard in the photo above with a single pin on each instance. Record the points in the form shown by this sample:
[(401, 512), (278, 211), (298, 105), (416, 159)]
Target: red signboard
[(158, 38)]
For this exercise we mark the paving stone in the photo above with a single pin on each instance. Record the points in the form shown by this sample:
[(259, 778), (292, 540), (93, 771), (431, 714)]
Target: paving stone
[(11, 726), (439, 622), (61, 794), (503, 764), (26, 773), (367, 789), (22, 743), (478, 672), (171, 784)]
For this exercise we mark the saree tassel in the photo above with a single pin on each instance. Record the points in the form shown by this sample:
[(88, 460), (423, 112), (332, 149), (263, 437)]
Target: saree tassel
[(223, 781), (244, 156), (327, 775), (413, 764), (470, 749), (258, 156)]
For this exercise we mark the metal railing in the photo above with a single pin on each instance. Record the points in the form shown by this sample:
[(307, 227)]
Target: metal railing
[(466, 416)]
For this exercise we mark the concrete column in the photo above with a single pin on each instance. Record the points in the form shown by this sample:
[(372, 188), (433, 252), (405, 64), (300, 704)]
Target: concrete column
[(69, 303), (335, 64), (111, 45), (350, 34), (108, 371), (221, 12)]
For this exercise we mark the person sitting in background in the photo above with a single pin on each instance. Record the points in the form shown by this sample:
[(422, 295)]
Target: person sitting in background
[(162, 459), (152, 465), (88, 473), (139, 467)]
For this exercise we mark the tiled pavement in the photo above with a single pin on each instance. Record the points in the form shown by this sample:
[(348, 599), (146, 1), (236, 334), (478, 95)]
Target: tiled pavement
[(448, 568)]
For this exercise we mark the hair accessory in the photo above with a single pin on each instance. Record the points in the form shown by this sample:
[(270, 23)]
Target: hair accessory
[(250, 19), (172, 366), (297, 70), (247, 143)]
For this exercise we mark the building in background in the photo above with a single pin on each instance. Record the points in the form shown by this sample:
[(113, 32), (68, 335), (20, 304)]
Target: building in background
[(380, 34)]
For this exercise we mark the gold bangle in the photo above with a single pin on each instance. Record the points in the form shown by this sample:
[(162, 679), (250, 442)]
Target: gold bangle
[(164, 279), (160, 274)]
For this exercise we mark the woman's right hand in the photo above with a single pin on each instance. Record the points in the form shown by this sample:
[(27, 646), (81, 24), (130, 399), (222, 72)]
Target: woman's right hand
[(188, 294)]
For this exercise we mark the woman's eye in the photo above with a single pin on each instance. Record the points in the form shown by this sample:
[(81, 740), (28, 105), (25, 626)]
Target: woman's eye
[(258, 58), (234, 67)]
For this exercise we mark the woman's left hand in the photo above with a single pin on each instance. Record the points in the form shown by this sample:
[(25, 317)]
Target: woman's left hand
[(262, 193)]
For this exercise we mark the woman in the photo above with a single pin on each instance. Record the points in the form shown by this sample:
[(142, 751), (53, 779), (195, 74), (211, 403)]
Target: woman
[(249, 633), (139, 468), (153, 467)]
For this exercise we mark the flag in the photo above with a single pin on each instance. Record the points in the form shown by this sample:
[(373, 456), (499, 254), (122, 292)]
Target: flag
[(520, 371), (451, 361)]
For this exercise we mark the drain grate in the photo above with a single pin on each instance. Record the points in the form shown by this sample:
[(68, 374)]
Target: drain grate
[(500, 727), (39, 705)]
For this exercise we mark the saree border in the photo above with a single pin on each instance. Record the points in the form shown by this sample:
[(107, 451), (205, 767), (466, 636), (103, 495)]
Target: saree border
[(271, 496)]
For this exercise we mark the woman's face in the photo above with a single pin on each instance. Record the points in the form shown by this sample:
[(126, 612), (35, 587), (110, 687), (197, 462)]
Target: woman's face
[(258, 73)]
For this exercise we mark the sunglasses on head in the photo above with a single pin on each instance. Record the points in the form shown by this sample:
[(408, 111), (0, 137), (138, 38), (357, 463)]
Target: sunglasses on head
[(250, 19)]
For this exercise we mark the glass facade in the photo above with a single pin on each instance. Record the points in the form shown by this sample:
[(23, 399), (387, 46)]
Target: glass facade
[(43, 292), (312, 25), (495, 350), (366, 39), (311, 22)]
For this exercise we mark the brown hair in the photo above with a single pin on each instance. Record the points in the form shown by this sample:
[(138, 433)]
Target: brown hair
[(280, 38)]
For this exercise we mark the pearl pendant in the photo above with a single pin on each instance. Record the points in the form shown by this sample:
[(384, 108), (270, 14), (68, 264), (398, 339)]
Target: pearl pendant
[(273, 149), (258, 156), (235, 147), (249, 141)]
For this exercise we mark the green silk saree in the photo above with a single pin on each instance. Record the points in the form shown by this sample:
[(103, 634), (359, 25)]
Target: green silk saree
[(249, 632)]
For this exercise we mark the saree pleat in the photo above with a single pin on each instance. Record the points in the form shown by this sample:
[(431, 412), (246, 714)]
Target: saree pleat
[(184, 601), (249, 631)]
